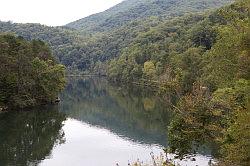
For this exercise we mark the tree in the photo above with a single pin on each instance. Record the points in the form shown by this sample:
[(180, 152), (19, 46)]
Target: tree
[(204, 35), (149, 70), (29, 74), (195, 122)]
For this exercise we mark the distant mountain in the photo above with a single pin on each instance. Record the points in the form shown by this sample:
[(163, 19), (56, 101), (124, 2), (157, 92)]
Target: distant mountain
[(63, 41), (130, 10), (83, 44)]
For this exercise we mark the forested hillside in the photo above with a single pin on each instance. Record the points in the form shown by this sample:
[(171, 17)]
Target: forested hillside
[(62, 41), (85, 51), (176, 49), (131, 10), (29, 74)]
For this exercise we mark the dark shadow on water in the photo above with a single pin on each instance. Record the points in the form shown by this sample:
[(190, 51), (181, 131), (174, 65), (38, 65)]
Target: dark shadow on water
[(27, 137)]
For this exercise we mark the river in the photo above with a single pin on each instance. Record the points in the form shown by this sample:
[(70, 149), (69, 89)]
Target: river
[(96, 124)]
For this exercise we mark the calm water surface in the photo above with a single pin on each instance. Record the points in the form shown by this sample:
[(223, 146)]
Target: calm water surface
[(96, 124)]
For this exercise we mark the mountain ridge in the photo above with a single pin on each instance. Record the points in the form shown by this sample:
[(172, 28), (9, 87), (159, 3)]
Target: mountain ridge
[(130, 10), (80, 50)]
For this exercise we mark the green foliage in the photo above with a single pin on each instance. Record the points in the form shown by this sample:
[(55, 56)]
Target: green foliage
[(149, 70), (236, 147), (191, 48), (233, 97), (102, 37), (131, 10), (204, 35), (195, 123), (224, 60), (29, 74), (220, 115)]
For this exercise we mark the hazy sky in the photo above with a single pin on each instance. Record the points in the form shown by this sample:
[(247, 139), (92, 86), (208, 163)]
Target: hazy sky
[(51, 12)]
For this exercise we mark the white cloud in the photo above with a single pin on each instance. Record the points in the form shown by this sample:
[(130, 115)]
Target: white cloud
[(51, 12)]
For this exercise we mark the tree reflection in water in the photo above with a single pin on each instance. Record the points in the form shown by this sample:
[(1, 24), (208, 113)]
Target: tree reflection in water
[(28, 137), (134, 113)]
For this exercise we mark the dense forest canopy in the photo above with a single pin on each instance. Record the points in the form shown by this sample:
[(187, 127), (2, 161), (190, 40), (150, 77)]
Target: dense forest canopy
[(29, 73), (101, 37), (180, 49), (63, 42), (130, 10)]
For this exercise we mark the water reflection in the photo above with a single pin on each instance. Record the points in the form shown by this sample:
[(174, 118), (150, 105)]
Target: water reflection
[(94, 146), (132, 113), (28, 137), (95, 124)]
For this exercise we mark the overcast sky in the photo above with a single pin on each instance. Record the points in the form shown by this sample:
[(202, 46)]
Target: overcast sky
[(51, 12)]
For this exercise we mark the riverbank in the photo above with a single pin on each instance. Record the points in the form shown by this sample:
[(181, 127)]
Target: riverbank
[(5, 108)]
